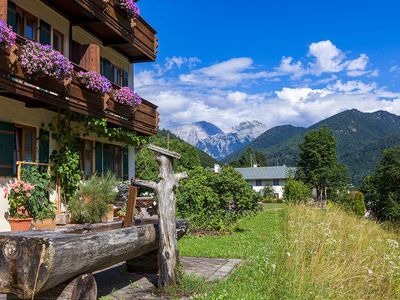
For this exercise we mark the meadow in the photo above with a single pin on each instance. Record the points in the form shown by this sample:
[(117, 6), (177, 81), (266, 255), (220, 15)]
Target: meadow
[(299, 252)]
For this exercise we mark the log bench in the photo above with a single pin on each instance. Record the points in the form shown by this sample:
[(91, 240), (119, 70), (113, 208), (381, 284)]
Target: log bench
[(32, 262)]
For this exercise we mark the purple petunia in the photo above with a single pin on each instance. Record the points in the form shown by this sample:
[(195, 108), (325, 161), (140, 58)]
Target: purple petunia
[(95, 82), (127, 96), (7, 36), (130, 7), (39, 60)]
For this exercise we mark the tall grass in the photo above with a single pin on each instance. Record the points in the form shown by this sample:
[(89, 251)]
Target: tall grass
[(304, 253), (334, 255)]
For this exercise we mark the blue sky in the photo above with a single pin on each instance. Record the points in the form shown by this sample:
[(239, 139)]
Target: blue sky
[(278, 62)]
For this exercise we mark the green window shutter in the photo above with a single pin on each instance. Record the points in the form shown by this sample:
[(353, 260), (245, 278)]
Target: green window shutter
[(108, 70), (125, 161), (98, 158), (125, 78), (7, 147), (12, 15), (107, 158), (45, 33), (44, 146)]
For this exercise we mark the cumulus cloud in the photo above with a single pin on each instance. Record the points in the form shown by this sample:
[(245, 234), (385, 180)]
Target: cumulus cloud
[(299, 92)]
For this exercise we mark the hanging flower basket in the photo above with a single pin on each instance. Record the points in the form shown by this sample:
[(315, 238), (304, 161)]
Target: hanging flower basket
[(20, 224)]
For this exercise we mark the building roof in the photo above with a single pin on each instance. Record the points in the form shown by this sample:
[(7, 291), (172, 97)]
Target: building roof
[(278, 172)]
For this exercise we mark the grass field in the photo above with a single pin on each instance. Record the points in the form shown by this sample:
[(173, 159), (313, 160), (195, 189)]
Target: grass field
[(298, 252)]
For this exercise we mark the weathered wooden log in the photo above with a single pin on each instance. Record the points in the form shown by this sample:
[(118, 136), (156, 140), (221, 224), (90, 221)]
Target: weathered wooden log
[(35, 261), (165, 191)]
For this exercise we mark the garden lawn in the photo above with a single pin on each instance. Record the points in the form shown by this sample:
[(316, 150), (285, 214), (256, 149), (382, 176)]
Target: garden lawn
[(300, 252)]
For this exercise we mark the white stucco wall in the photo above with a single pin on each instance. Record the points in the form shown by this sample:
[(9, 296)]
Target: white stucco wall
[(278, 189)]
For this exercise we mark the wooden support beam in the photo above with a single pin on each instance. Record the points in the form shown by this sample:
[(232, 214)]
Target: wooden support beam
[(3, 9), (130, 206)]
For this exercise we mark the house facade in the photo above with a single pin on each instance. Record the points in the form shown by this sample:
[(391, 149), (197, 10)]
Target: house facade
[(260, 177), (97, 36)]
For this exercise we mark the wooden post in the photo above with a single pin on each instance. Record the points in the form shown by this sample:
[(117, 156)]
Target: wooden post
[(165, 191), (130, 206), (3, 9)]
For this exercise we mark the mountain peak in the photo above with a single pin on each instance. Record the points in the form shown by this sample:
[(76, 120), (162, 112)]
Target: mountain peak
[(194, 132)]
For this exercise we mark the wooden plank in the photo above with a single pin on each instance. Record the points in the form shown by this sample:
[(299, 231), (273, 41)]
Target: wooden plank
[(164, 151), (130, 206), (3, 9)]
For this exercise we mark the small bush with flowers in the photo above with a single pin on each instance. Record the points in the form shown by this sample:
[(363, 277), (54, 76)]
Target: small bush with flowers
[(39, 60), (127, 96), (95, 82), (7, 36), (18, 194), (130, 7)]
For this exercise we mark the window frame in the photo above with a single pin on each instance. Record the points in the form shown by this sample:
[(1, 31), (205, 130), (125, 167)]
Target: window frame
[(55, 31), (258, 182), (20, 135), (84, 142), (26, 14), (275, 182)]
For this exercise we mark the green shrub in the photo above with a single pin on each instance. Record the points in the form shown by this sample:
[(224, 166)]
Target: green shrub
[(352, 201), (89, 205), (215, 201), (39, 204), (295, 191)]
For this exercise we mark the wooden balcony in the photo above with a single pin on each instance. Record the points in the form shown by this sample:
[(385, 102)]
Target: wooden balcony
[(52, 95), (109, 24)]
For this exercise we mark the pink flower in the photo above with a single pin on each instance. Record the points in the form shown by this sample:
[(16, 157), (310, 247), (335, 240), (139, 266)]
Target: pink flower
[(28, 195), (16, 190)]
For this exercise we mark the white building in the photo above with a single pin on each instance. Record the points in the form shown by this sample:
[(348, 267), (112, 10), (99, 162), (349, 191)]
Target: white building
[(260, 177)]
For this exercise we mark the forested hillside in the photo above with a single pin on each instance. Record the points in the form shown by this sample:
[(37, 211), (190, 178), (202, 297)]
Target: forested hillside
[(360, 139)]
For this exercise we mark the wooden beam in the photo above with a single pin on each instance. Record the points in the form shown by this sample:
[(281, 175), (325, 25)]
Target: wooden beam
[(3, 9), (162, 151), (130, 206), (114, 42)]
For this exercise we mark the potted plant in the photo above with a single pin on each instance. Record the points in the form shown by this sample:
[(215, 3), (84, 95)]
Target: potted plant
[(129, 7), (39, 204), (7, 46), (45, 66), (122, 213), (124, 102), (95, 85), (18, 194), (93, 201)]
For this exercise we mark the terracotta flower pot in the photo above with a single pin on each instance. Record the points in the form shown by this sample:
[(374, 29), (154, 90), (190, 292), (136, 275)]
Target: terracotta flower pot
[(20, 224), (122, 218), (45, 224)]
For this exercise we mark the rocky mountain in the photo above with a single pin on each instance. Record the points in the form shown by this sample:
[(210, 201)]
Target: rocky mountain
[(213, 141), (192, 133), (360, 139)]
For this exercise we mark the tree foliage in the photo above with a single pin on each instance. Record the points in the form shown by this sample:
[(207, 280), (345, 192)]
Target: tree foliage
[(215, 200), (382, 189), (295, 191), (318, 165), (250, 158)]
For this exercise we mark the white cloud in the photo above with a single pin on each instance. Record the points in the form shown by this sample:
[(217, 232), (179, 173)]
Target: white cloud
[(296, 95), (328, 58), (353, 86), (179, 61)]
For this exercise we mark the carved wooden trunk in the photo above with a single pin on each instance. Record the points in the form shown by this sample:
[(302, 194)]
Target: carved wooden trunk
[(35, 261)]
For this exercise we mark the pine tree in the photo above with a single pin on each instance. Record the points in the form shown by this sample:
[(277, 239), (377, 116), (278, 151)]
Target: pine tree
[(318, 165)]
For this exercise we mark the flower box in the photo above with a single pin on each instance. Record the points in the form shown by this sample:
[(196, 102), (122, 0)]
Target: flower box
[(49, 83), (122, 110), (20, 224), (94, 100), (45, 224)]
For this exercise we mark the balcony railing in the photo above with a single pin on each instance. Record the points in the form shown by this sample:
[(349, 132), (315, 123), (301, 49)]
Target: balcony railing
[(136, 40), (52, 94)]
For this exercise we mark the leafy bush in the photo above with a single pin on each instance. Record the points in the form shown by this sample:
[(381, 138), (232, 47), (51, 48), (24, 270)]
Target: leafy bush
[(352, 201), (39, 204), (215, 201), (295, 191), (89, 205)]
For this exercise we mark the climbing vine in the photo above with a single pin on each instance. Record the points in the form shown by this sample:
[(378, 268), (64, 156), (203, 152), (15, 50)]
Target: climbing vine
[(66, 130)]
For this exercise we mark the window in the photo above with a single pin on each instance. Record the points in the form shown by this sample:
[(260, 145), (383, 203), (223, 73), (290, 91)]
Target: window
[(58, 41), (25, 143), (275, 182), (258, 182), (22, 22), (87, 157), (45, 33), (113, 73)]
